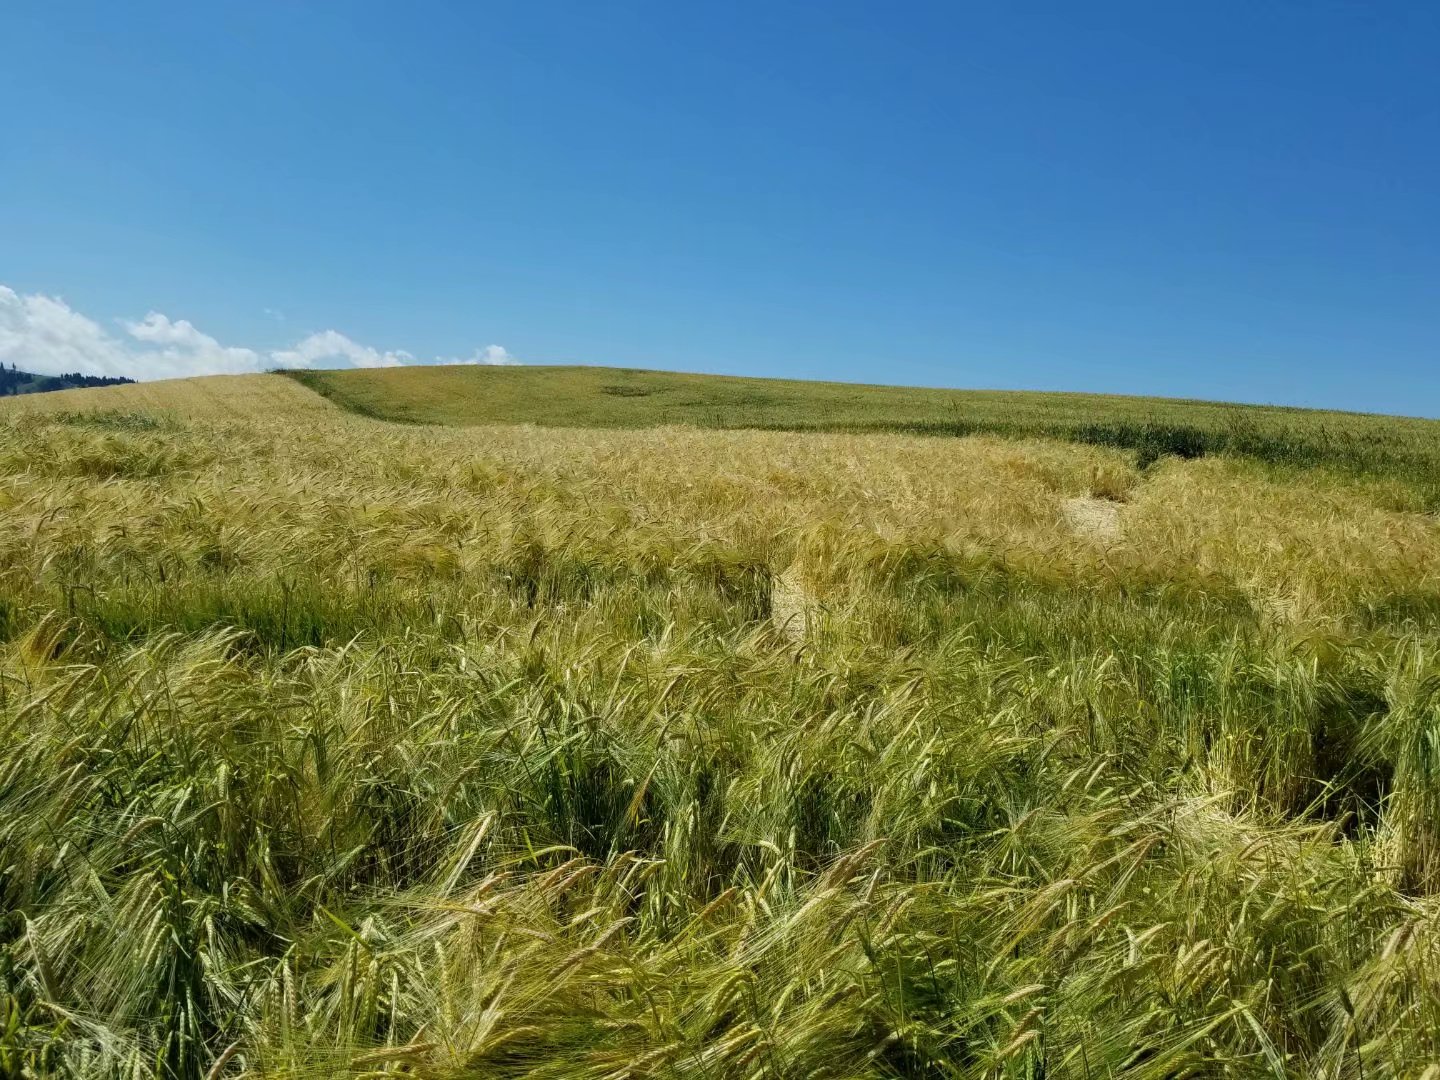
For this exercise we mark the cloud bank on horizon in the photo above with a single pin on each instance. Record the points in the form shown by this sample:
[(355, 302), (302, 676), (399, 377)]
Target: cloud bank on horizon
[(45, 335)]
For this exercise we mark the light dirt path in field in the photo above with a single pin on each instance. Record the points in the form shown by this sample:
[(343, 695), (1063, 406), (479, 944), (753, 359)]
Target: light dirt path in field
[(1095, 519)]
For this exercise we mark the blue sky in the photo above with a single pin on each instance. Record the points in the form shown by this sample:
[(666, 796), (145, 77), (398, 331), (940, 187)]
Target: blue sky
[(1221, 200)]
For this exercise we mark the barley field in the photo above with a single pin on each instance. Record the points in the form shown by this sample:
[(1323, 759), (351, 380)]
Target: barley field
[(1358, 443), (340, 747)]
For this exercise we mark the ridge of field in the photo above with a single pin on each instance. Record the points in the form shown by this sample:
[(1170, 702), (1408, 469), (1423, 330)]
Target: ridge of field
[(337, 747), (627, 398)]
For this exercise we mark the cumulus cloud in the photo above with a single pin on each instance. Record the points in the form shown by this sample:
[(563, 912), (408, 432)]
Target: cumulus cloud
[(45, 335), (491, 354), (52, 338), (332, 345), (178, 348)]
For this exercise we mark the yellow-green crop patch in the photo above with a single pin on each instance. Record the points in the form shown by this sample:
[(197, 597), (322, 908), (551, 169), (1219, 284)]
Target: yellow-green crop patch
[(627, 398)]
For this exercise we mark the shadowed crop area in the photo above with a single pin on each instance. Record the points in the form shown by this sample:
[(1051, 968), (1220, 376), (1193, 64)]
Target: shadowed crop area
[(336, 747)]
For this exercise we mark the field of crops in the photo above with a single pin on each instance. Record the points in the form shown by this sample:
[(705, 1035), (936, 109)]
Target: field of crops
[(332, 746), (627, 398)]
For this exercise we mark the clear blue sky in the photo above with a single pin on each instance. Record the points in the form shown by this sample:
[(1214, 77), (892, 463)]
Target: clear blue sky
[(1221, 200)]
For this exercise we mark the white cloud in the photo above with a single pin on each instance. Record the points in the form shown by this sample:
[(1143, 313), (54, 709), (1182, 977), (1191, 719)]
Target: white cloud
[(45, 335), (491, 354), (333, 345), (180, 349), (51, 338)]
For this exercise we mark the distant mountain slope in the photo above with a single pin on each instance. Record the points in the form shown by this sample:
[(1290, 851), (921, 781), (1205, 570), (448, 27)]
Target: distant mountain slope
[(14, 381)]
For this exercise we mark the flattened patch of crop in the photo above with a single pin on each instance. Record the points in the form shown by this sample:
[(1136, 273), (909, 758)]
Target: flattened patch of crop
[(1094, 519)]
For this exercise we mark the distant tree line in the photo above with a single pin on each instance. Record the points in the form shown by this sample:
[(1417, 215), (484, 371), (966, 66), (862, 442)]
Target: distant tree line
[(14, 381)]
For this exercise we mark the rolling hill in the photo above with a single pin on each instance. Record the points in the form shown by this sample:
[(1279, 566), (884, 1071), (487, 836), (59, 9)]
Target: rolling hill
[(627, 398)]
